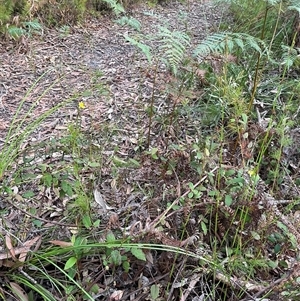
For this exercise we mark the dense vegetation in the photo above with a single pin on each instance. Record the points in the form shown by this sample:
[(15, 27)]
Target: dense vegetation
[(203, 206)]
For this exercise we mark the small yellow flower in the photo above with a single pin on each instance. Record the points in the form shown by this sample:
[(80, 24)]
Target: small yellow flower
[(81, 105), (252, 172)]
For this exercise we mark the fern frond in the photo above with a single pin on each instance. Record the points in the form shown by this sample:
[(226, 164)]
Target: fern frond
[(225, 42), (173, 45), (115, 6), (33, 27), (145, 48), (289, 56), (132, 22), (15, 32)]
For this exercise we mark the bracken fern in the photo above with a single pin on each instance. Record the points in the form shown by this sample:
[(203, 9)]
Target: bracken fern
[(226, 42), (173, 46)]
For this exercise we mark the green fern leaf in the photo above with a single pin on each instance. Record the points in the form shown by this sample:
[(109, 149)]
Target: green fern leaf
[(145, 48), (226, 42), (132, 22), (16, 32), (173, 46)]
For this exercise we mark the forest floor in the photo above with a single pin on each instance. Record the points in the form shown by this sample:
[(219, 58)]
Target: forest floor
[(97, 165)]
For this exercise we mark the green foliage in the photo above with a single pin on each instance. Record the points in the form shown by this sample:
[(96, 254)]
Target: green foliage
[(28, 29), (6, 9), (173, 46), (226, 42), (130, 21), (116, 6)]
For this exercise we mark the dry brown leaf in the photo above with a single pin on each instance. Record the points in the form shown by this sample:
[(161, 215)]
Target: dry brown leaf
[(100, 200), (9, 246), (116, 295), (18, 292), (17, 252), (29, 244), (63, 244), (7, 263)]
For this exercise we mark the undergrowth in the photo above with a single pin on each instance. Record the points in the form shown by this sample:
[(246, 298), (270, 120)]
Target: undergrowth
[(204, 207)]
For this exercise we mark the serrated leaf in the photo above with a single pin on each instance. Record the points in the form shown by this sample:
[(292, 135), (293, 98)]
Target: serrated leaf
[(116, 258), (138, 253), (110, 238), (70, 263)]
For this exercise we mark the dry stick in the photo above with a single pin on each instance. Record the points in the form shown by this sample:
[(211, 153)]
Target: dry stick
[(161, 216), (40, 218)]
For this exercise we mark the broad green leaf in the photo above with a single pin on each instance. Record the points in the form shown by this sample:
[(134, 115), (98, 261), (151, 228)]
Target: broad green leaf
[(228, 200), (28, 194), (255, 235), (110, 238), (70, 263), (116, 258), (154, 291), (67, 188), (93, 164), (138, 253)]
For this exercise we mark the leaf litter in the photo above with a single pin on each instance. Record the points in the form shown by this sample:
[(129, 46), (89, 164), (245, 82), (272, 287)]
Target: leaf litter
[(142, 200)]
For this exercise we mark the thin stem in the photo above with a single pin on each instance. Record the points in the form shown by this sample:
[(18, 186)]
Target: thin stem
[(151, 113), (256, 77)]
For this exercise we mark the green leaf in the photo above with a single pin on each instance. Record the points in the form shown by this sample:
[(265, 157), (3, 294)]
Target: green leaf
[(135, 163), (154, 291), (126, 266), (94, 164), (204, 227), (145, 48), (110, 238), (86, 220), (37, 223), (28, 194), (138, 253), (116, 258), (96, 223), (277, 248), (67, 188), (255, 235), (47, 179), (228, 200), (70, 263)]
